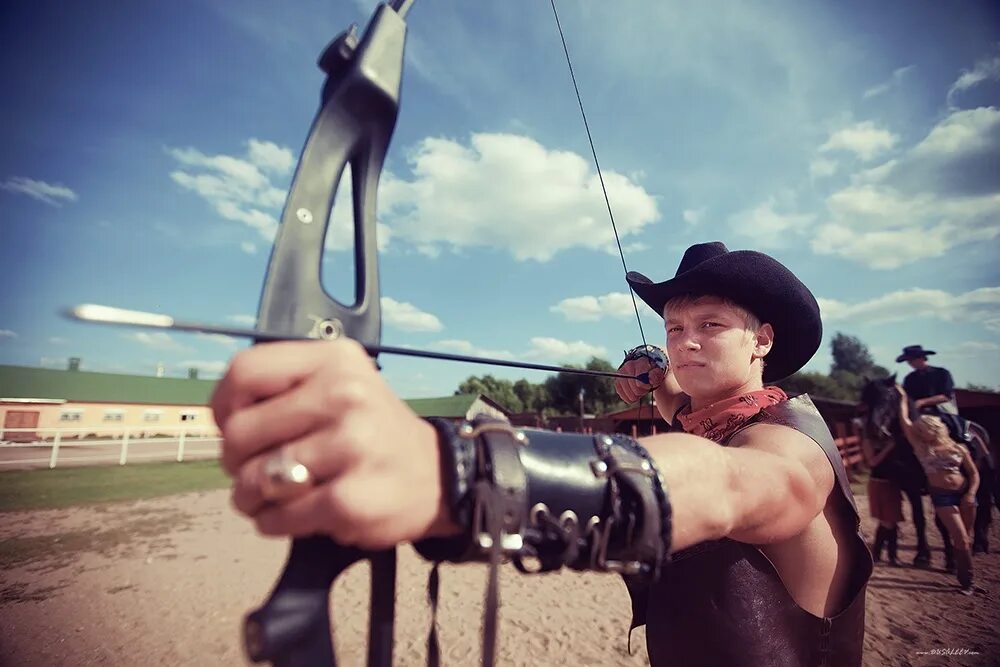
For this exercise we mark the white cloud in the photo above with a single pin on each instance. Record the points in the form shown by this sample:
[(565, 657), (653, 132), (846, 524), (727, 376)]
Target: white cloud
[(980, 306), (940, 194), (863, 139), (238, 178), (986, 69), (156, 340), (693, 216), (960, 132), (542, 349), (886, 86), (407, 317), (822, 168), (501, 191), (468, 349), (974, 349), (221, 339), (768, 227), (562, 352), (50, 193), (875, 205), (270, 156), (901, 245), (54, 340), (235, 187), (245, 320), (627, 248), (509, 192), (7, 333), (340, 233), (594, 308), (242, 189)]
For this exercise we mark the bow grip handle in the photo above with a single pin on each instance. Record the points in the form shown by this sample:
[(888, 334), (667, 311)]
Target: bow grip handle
[(293, 629)]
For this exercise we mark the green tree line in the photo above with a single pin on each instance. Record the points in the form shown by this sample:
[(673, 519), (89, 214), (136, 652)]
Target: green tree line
[(852, 365), (558, 395)]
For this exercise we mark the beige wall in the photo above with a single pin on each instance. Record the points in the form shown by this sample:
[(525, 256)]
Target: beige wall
[(481, 407), (102, 419)]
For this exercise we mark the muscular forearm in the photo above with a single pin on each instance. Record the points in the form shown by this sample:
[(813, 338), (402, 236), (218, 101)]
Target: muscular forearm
[(904, 418), (669, 397), (748, 495), (931, 400)]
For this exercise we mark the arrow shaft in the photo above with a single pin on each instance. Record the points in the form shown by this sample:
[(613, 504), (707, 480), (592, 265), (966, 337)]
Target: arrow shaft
[(133, 318)]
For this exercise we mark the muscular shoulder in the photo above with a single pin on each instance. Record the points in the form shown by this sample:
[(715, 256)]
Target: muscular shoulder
[(790, 444)]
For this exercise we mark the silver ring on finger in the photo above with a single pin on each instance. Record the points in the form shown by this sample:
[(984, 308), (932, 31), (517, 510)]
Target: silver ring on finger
[(283, 478)]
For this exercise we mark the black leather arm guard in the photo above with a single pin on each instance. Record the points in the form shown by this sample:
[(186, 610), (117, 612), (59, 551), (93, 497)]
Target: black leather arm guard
[(547, 500)]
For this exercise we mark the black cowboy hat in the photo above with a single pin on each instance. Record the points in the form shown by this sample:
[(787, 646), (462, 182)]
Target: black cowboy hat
[(755, 281), (914, 352)]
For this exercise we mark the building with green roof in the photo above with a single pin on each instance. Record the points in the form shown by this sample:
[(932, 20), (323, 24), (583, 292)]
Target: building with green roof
[(36, 401)]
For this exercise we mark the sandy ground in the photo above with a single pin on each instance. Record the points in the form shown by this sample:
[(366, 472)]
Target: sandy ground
[(167, 581)]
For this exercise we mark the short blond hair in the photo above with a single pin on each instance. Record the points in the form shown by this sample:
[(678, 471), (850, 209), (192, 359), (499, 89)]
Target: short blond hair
[(751, 321)]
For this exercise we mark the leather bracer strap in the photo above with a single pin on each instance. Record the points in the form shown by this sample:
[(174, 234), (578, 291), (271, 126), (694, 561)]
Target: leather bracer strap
[(588, 502)]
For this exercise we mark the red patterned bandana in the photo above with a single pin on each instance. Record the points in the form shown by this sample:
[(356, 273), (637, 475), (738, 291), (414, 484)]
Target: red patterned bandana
[(719, 420)]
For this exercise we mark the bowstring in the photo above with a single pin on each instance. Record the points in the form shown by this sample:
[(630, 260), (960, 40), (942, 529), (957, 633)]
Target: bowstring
[(604, 190)]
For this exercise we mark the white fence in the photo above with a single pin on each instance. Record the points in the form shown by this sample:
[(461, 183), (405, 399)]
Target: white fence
[(76, 446)]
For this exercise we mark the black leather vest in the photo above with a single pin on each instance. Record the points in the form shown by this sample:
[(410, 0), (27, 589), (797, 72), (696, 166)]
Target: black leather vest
[(722, 602)]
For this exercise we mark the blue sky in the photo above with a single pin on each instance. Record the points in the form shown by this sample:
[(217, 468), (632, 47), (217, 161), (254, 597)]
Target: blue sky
[(147, 146)]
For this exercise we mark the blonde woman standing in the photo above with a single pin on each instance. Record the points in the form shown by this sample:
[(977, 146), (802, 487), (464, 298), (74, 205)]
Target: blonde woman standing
[(952, 481)]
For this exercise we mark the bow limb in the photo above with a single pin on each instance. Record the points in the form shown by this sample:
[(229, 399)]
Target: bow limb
[(360, 102)]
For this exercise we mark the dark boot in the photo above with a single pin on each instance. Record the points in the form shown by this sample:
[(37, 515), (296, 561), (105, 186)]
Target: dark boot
[(880, 535), (923, 557), (964, 562), (892, 535)]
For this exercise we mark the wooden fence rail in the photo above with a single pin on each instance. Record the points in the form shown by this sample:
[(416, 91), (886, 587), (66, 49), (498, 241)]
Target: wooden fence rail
[(848, 441)]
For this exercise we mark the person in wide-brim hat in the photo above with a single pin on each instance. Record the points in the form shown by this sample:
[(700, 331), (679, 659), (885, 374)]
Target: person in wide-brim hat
[(755, 281), (914, 352)]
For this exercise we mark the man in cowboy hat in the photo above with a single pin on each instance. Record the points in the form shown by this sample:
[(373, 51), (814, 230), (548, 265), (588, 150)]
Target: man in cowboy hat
[(931, 387), (769, 566), (932, 390), (737, 322)]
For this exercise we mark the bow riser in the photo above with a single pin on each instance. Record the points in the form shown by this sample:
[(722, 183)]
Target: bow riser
[(354, 126), (360, 103)]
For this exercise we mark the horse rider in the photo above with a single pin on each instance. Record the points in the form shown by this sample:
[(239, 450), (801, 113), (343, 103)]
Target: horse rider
[(932, 390)]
